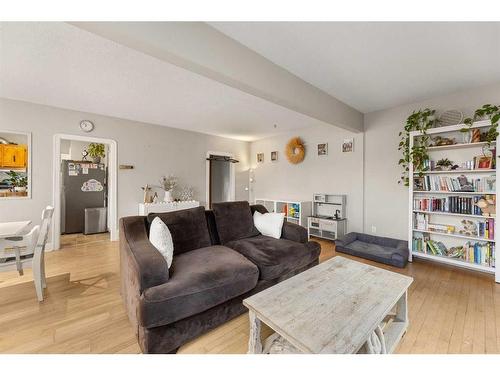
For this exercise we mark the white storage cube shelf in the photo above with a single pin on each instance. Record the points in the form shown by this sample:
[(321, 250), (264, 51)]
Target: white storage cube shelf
[(295, 211), (457, 153)]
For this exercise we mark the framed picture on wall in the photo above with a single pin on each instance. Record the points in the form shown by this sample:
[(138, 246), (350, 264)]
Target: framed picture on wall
[(274, 155), (260, 157), (322, 149), (348, 145)]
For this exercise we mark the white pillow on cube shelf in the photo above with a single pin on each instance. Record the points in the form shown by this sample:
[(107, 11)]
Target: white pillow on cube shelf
[(269, 224), (161, 238)]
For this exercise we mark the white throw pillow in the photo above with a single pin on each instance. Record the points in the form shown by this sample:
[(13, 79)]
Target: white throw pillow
[(160, 237), (269, 224)]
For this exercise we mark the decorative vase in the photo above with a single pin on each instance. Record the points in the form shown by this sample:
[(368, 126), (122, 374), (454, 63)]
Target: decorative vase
[(168, 196), (20, 189), (466, 137), (476, 136)]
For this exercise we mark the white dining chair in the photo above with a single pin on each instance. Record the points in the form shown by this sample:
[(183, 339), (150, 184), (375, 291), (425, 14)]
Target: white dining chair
[(29, 252)]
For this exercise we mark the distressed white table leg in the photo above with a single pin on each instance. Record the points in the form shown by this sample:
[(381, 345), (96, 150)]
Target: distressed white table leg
[(254, 341), (402, 308)]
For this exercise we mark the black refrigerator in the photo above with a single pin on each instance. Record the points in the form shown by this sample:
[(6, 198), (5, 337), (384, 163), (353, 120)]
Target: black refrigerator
[(84, 186)]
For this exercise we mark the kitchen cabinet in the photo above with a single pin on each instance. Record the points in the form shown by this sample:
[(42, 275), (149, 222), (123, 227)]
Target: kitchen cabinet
[(13, 156)]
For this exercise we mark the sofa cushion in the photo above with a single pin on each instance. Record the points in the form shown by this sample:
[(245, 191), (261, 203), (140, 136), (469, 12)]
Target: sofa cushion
[(276, 257), (160, 237), (188, 228), (199, 279), (234, 221)]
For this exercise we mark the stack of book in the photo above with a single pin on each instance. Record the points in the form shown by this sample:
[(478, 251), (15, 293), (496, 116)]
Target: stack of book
[(486, 229), (461, 183), (451, 204), (478, 252)]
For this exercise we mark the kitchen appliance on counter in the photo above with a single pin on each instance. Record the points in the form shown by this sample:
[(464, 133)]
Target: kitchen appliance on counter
[(84, 186)]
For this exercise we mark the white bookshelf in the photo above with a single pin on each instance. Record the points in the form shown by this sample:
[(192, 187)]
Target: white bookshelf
[(458, 153), (277, 205)]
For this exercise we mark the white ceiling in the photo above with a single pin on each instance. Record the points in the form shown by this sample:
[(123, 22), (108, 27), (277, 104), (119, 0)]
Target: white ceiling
[(60, 65), (373, 66)]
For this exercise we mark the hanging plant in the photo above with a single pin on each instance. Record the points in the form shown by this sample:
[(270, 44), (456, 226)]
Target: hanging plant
[(418, 121), (489, 111)]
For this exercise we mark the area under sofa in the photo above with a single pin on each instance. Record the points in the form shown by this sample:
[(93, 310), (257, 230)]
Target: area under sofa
[(219, 259)]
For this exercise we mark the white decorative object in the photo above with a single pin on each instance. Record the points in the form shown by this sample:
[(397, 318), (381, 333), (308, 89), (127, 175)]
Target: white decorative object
[(168, 196), (147, 208), (450, 117), (161, 238), (186, 193), (92, 185), (332, 308), (269, 224)]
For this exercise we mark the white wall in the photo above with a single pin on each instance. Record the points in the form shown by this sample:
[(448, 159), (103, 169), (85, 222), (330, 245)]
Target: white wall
[(153, 150), (386, 202), (336, 173)]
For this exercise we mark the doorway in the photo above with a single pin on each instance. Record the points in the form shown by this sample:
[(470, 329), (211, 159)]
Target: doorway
[(97, 181), (220, 177)]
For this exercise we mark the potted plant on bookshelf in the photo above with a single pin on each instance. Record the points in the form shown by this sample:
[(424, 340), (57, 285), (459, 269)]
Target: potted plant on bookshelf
[(444, 164), (487, 111), (421, 121), (96, 152)]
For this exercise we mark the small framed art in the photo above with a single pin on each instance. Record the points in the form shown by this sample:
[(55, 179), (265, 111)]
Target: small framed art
[(322, 149)]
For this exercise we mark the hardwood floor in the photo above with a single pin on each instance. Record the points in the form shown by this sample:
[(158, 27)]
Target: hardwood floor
[(451, 310)]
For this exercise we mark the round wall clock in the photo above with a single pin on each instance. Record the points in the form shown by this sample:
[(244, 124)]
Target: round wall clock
[(86, 126)]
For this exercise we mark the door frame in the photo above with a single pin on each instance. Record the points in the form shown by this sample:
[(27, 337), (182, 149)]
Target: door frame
[(112, 184), (232, 177)]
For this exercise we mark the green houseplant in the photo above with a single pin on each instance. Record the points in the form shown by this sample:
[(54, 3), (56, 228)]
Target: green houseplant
[(487, 111), (18, 181), (420, 121), (444, 164), (96, 152)]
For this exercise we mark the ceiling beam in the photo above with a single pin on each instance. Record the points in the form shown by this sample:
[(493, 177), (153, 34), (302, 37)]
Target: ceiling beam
[(202, 49)]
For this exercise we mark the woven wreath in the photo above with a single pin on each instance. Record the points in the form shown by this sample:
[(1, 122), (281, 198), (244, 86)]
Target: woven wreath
[(295, 150)]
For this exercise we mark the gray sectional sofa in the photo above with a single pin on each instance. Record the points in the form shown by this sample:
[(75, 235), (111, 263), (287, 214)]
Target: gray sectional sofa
[(219, 259), (379, 249)]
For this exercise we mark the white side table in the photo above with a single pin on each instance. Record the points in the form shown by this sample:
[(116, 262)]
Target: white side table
[(147, 208)]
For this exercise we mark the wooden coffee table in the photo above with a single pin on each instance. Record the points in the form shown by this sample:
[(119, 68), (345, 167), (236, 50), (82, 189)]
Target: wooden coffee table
[(340, 306)]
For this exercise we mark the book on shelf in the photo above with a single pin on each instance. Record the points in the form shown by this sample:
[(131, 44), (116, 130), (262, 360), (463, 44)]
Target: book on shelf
[(294, 210), (452, 204), (471, 228), (478, 252), (455, 184)]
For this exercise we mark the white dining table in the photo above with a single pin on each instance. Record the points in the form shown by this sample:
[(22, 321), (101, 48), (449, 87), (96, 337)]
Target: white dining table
[(13, 228)]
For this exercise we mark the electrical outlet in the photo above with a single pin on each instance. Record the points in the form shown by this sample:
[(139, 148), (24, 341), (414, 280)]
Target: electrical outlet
[(374, 229)]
